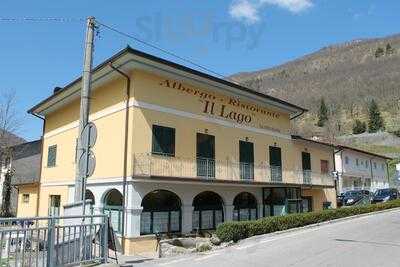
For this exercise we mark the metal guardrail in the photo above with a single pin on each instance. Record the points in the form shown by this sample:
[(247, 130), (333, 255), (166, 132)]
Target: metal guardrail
[(53, 241), (167, 166)]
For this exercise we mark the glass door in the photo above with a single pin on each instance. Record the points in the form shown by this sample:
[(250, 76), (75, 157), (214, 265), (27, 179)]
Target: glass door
[(275, 163), (306, 163), (246, 158), (205, 155)]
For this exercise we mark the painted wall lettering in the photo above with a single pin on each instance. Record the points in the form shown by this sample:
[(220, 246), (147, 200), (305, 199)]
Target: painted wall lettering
[(223, 106)]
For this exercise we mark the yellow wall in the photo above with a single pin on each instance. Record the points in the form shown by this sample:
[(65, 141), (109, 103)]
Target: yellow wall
[(108, 113), (46, 192), (319, 196), (27, 209)]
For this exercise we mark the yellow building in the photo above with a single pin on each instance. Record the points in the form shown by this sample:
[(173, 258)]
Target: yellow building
[(179, 151)]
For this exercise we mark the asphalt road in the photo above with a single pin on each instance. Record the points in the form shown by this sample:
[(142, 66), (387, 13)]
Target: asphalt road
[(367, 241)]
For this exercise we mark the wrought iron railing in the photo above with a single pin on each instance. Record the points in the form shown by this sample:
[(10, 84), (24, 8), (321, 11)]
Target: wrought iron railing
[(146, 165), (53, 241)]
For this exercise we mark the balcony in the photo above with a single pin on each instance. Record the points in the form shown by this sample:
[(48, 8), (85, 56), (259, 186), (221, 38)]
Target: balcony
[(149, 165)]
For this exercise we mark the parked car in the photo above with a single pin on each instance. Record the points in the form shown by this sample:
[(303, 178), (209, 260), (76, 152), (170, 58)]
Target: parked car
[(383, 195), (353, 197)]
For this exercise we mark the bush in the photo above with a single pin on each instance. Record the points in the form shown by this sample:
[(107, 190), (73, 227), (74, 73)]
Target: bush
[(359, 127), (235, 231)]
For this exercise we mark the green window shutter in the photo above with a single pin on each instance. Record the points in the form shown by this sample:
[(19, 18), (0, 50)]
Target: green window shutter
[(275, 156), (246, 152), (163, 140), (52, 156)]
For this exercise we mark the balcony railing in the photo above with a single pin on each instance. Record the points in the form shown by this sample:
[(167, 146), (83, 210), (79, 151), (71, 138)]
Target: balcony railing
[(147, 165)]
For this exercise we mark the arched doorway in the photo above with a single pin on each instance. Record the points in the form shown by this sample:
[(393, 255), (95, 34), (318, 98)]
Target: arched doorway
[(113, 202), (208, 211), (161, 213), (245, 207)]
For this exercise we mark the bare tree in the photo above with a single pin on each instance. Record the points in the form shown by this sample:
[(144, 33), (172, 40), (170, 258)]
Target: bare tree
[(9, 125)]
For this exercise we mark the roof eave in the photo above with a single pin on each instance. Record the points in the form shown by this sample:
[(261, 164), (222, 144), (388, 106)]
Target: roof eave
[(296, 110)]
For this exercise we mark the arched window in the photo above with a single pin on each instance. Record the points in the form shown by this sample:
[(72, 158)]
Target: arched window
[(245, 207), (113, 208), (89, 195), (208, 211), (161, 213)]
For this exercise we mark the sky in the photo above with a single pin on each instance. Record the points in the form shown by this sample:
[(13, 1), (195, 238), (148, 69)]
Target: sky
[(226, 36)]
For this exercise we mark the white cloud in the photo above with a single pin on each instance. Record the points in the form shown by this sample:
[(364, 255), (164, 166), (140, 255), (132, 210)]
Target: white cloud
[(248, 10), (245, 11), (294, 6)]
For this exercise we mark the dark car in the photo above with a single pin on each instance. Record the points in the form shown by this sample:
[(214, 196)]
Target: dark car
[(356, 197), (383, 195)]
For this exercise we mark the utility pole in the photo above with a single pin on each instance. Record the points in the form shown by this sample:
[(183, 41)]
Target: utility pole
[(80, 180)]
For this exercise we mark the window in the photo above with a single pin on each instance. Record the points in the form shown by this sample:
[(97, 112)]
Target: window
[(324, 166), (54, 207), (246, 159), (163, 141), (374, 165), (346, 160), (275, 162), (161, 213), (113, 208), (357, 163), (52, 156), (366, 164), (205, 155), (25, 198), (383, 167), (245, 207), (281, 201), (208, 211)]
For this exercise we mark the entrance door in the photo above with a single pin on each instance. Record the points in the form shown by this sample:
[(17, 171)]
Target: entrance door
[(246, 158), (205, 155), (306, 162), (275, 163)]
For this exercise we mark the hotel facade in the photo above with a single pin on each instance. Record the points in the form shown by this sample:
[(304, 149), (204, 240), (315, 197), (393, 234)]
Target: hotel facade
[(179, 151)]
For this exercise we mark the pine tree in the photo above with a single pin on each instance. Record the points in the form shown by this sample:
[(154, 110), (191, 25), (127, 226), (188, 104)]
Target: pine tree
[(5, 207), (375, 122), (323, 114), (379, 52), (359, 127), (389, 49)]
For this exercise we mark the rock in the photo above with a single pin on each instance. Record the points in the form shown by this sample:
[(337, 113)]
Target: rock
[(188, 242), (215, 240), (203, 246), (168, 250), (176, 242)]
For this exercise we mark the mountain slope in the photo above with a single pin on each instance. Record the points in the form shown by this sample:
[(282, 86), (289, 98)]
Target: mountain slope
[(348, 76)]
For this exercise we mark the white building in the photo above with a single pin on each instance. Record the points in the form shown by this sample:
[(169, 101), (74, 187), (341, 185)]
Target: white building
[(358, 169)]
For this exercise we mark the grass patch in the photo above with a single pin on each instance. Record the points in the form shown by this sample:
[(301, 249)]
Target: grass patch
[(235, 231)]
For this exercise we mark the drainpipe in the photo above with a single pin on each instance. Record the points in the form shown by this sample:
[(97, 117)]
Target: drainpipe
[(334, 167), (372, 173), (125, 171), (41, 162), (387, 172)]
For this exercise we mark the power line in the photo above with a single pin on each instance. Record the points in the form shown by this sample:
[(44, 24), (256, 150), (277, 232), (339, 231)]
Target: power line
[(159, 48), (41, 19)]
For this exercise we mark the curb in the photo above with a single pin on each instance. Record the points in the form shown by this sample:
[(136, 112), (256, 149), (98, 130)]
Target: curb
[(310, 226)]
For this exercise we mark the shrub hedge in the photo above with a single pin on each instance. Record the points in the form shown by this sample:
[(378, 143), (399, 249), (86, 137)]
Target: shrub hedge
[(235, 231)]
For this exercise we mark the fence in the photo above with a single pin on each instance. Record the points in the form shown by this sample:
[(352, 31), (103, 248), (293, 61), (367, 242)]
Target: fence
[(164, 166), (53, 241)]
